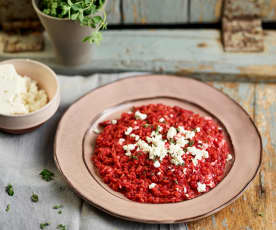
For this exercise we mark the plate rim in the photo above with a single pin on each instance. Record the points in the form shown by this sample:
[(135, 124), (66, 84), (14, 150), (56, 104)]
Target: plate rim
[(163, 222)]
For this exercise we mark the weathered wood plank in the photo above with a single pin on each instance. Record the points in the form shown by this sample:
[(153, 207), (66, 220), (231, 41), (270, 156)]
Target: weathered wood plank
[(113, 12), (269, 10), (155, 11), (197, 53), (246, 212), (210, 11), (266, 122), (205, 11)]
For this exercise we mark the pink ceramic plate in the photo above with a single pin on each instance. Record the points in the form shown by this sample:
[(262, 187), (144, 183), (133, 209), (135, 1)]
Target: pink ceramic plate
[(75, 140)]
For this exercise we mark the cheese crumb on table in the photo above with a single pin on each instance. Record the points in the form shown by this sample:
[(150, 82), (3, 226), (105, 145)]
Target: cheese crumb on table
[(19, 94)]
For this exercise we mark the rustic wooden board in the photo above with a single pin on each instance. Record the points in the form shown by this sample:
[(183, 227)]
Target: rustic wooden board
[(210, 11), (266, 122), (197, 53), (113, 12), (155, 11), (205, 11)]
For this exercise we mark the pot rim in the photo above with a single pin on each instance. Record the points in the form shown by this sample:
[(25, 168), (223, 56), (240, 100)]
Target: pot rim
[(34, 3)]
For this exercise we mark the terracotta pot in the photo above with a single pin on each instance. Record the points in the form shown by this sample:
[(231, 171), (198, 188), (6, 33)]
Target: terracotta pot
[(66, 36)]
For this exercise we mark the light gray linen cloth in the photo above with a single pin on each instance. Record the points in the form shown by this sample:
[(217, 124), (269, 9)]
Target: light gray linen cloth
[(22, 157)]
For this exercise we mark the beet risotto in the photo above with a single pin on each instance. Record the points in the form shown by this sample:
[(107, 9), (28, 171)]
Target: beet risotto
[(161, 154)]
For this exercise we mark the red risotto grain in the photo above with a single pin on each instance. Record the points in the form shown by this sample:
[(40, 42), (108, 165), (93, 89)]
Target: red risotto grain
[(161, 154)]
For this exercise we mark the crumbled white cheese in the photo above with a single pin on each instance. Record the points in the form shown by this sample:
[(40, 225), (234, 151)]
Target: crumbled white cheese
[(201, 187), (96, 130), (128, 131), (129, 112), (184, 189), (114, 122), (121, 141), (159, 128), (129, 148), (19, 95), (156, 164), (198, 129), (136, 137), (188, 134), (197, 153), (140, 116), (171, 115), (182, 141), (176, 153), (171, 133), (136, 127), (159, 173), (162, 119), (229, 157), (185, 171), (152, 185)]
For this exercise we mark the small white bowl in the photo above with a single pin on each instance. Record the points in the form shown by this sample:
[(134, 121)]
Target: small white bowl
[(47, 80)]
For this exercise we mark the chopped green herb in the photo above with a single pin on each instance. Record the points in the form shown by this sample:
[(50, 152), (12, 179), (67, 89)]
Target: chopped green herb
[(134, 157), (176, 181), (34, 198), (59, 212), (146, 125), (61, 227), (43, 225), (8, 208), (9, 190), (191, 143), (46, 175), (58, 206)]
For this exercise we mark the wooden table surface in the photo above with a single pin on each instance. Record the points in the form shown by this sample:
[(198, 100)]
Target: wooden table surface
[(22, 158)]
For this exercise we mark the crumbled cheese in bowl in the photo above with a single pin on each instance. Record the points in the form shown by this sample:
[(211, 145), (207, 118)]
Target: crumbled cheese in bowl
[(19, 94)]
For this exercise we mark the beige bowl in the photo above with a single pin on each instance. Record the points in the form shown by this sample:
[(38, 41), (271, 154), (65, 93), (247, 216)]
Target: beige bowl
[(47, 80)]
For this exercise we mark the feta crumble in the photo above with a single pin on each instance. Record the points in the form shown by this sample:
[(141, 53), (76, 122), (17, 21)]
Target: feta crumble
[(128, 131), (129, 148), (156, 164), (140, 116), (114, 122), (152, 185), (201, 187), (171, 133), (162, 119), (198, 129), (198, 154), (159, 173), (229, 157), (121, 141), (95, 130)]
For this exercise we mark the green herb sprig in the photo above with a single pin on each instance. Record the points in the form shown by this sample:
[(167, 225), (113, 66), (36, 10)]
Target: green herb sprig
[(47, 175), (86, 12), (8, 208), (9, 190), (61, 227), (34, 198), (44, 225)]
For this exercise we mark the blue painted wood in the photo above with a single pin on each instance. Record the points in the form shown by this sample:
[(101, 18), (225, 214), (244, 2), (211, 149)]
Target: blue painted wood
[(155, 11), (196, 53), (113, 12)]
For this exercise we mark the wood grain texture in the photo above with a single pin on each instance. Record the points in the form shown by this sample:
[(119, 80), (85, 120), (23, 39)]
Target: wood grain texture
[(196, 53), (202, 11), (155, 11), (266, 122), (113, 12), (269, 10), (205, 11)]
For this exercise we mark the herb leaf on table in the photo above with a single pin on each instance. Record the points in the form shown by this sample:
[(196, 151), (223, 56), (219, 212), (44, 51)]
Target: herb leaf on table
[(34, 198), (9, 190), (43, 225), (47, 175)]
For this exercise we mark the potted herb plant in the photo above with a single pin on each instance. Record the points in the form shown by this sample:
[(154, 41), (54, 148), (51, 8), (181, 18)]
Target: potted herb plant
[(72, 25)]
